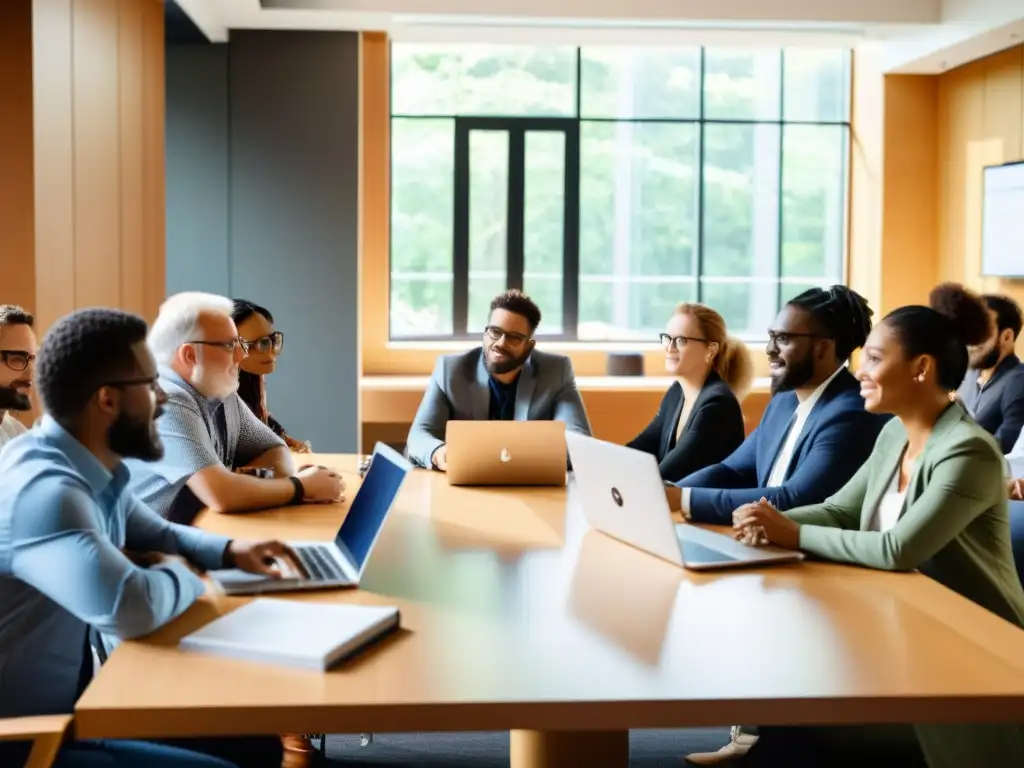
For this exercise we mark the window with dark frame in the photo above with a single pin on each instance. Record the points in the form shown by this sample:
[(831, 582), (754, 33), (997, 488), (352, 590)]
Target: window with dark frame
[(611, 184)]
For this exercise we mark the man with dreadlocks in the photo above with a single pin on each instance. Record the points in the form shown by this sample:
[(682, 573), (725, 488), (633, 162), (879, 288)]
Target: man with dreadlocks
[(813, 437), (815, 432)]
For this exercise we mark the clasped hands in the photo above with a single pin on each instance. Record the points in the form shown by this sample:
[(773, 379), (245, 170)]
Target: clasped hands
[(269, 558), (322, 484), (759, 523)]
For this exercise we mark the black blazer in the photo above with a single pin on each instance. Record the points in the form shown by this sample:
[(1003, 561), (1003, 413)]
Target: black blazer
[(999, 405), (713, 430)]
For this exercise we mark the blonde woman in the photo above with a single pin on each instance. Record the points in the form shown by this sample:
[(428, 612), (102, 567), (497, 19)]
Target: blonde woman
[(699, 422)]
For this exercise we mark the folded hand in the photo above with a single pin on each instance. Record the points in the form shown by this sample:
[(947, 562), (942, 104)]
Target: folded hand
[(761, 523), (1015, 489)]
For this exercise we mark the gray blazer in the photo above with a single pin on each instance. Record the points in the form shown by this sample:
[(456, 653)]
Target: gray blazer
[(458, 389)]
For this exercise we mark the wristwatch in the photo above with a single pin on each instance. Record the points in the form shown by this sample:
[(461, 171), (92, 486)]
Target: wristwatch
[(300, 491)]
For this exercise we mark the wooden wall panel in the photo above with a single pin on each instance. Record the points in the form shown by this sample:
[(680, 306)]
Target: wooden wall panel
[(54, 159), (867, 141), (894, 205), (374, 201), (97, 114), (130, 91), (980, 122), (153, 190), (97, 189), (16, 177), (910, 210)]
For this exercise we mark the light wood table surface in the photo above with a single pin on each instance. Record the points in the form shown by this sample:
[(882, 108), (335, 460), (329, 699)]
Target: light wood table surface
[(516, 616)]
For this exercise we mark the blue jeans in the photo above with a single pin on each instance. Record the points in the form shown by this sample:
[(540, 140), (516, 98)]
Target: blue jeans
[(102, 753)]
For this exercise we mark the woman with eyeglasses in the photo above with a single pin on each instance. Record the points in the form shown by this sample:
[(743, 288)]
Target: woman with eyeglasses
[(264, 343), (699, 422)]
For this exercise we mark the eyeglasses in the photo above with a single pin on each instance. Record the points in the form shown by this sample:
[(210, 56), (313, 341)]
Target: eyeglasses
[(273, 341), (228, 346), (667, 342), (784, 338), (16, 359), (494, 333)]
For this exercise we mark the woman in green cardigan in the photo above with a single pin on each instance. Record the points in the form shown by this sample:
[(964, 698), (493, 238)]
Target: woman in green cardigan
[(931, 496)]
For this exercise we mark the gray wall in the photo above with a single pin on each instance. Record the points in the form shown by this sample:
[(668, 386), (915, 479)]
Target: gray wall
[(262, 185)]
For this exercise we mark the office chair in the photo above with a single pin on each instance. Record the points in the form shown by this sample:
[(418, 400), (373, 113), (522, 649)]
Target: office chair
[(46, 732)]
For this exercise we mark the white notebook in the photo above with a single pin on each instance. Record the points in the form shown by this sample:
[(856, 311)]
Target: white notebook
[(303, 634)]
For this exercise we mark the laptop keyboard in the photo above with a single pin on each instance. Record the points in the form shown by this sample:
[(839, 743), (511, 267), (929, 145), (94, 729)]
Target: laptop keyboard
[(320, 564), (698, 553)]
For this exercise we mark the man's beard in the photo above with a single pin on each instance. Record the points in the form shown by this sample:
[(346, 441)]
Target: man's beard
[(131, 438), (988, 361), (509, 364), (217, 386), (794, 375), (12, 399)]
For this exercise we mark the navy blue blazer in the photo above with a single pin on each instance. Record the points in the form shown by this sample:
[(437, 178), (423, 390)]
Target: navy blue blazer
[(837, 438), (999, 405), (713, 431)]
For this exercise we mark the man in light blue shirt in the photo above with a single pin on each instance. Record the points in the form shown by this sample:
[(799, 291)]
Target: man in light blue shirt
[(76, 548)]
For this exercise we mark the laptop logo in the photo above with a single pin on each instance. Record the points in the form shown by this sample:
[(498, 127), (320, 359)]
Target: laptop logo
[(616, 497), (506, 457)]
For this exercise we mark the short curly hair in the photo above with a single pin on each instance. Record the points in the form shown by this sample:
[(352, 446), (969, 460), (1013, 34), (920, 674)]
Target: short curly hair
[(12, 314), (518, 303), (81, 352)]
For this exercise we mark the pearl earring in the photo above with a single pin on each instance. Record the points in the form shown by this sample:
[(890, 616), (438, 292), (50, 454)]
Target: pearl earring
[(920, 378)]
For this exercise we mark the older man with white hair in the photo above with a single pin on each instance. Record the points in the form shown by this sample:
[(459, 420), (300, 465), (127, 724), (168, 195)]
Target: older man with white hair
[(217, 453)]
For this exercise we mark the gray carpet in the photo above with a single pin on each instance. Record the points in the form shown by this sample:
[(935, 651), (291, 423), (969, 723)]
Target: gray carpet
[(647, 748)]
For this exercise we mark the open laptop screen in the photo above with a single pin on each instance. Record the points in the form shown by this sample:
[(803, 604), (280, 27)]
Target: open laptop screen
[(369, 508)]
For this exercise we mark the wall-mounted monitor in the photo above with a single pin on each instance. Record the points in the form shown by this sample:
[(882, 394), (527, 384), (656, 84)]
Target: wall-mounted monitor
[(1002, 221)]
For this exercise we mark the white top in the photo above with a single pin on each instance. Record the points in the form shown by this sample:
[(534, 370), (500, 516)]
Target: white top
[(887, 513), (10, 428), (785, 455), (1015, 459)]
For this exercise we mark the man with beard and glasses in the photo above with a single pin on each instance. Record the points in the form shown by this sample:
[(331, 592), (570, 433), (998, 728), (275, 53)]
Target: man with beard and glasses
[(79, 551), (813, 437), (505, 379), (17, 362), (993, 389), (814, 433), (218, 454)]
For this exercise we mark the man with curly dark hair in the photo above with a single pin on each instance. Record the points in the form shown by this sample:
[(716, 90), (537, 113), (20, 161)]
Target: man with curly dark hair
[(504, 379), (77, 549)]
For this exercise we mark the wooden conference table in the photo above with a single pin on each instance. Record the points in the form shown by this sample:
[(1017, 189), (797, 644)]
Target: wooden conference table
[(515, 616)]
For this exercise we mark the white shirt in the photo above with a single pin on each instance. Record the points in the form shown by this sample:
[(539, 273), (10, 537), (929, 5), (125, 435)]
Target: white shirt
[(1015, 459), (10, 428), (887, 513), (785, 455), (803, 410)]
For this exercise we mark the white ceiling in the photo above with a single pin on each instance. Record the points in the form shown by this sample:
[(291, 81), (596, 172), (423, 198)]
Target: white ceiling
[(917, 36)]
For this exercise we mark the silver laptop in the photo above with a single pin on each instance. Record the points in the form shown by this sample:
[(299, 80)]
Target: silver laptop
[(623, 496), (339, 563)]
